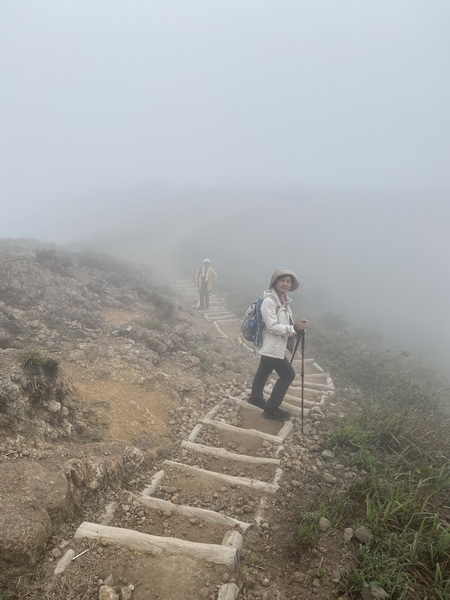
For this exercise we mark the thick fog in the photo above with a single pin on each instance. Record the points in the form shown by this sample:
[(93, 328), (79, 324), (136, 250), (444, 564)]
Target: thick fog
[(310, 134)]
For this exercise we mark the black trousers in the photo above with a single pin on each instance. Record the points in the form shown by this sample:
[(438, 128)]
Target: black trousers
[(286, 376), (204, 298)]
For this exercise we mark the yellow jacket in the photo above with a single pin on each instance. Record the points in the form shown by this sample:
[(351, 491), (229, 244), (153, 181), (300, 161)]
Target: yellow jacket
[(212, 276)]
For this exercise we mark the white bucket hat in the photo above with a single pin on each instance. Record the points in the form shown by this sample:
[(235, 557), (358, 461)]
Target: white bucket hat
[(282, 273)]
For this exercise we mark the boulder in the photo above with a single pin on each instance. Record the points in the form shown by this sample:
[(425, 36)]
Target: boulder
[(32, 498)]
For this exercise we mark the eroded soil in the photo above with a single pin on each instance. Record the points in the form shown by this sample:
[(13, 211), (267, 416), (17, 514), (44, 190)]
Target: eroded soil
[(155, 418)]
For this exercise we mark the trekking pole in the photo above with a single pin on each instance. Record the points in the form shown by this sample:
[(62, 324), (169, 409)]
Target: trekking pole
[(302, 335), (297, 341)]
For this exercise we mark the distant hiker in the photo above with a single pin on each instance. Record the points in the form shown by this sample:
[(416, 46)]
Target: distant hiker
[(204, 279), (277, 334)]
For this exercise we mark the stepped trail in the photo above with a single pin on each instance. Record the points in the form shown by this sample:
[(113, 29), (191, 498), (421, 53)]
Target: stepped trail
[(215, 518)]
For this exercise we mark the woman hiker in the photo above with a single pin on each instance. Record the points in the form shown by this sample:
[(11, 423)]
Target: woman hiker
[(278, 331), (204, 279)]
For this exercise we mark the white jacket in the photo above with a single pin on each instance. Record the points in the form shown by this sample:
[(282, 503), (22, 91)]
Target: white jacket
[(279, 325)]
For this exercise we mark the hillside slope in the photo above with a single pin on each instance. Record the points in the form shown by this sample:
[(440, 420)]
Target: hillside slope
[(132, 466)]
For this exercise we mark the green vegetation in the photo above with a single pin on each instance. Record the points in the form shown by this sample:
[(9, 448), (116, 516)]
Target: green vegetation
[(54, 260), (308, 530), (398, 435), (153, 325), (104, 262), (114, 271), (42, 371), (251, 561), (33, 362), (165, 308), (6, 342)]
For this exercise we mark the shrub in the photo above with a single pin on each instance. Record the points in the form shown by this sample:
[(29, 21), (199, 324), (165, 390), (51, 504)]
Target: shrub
[(54, 261), (33, 362), (41, 371)]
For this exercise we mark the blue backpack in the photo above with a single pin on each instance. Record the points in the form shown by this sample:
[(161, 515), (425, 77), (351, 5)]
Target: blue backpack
[(253, 324)]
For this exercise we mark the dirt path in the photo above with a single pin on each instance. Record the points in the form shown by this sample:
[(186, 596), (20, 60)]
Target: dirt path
[(213, 515)]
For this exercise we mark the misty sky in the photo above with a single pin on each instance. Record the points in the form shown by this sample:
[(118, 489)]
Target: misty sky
[(323, 94), (111, 109)]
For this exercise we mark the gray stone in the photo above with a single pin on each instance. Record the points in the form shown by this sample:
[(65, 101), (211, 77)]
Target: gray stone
[(328, 477), (64, 562), (374, 592), (324, 524), (106, 592), (328, 454), (126, 592), (54, 406), (363, 534), (29, 495), (348, 534)]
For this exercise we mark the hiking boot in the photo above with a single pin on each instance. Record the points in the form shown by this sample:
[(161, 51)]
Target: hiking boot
[(276, 414), (257, 402)]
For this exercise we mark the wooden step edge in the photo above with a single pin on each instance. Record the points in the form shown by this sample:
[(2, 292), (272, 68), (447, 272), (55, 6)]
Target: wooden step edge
[(154, 484), (276, 439), (247, 405), (297, 410), (192, 511), (247, 345), (292, 398), (297, 385), (228, 591), (254, 484), (223, 453), (215, 409), (233, 538), (158, 545), (64, 562), (286, 429), (313, 387), (298, 361), (278, 476), (194, 433), (283, 432), (223, 334), (222, 319), (321, 374)]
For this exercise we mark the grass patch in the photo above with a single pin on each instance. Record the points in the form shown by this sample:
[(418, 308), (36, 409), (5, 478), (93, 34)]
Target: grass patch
[(154, 325), (308, 529), (399, 437), (42, 372), (33, 362)]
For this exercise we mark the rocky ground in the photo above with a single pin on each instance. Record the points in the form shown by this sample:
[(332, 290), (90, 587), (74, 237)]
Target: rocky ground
[(102, 375)]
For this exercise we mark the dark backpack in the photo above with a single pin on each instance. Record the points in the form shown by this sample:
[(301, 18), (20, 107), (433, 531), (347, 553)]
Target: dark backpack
[(253, 324)]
